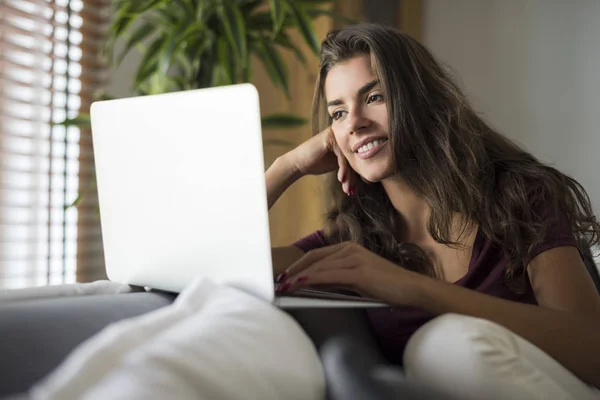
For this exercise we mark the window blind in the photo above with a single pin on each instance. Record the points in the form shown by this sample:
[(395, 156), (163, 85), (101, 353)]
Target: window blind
[(50, 68)]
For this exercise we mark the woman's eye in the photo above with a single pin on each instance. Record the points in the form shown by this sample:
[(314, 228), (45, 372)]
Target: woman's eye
[(337, 115), (375, 97)]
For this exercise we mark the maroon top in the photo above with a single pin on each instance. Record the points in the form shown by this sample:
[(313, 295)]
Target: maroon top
[(394, 326)]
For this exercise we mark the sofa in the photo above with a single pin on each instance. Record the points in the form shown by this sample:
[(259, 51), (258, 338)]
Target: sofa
[(36, 335)]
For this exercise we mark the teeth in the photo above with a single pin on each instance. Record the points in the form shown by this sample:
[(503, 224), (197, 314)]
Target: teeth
[(370, 145)]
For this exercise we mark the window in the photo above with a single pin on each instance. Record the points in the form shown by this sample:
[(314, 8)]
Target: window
[(49, 70)]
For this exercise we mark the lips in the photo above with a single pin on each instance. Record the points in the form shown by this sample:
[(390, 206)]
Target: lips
[(370, 145), (371, 149), (367, 142)]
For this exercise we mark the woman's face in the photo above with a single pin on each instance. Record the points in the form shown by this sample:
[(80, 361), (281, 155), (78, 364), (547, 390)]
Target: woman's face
[(356, 104)]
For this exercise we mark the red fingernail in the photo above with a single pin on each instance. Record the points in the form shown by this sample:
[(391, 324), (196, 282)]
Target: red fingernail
[(283, 288), (343, 179), (351, 192), (281, 277), (302, 279)]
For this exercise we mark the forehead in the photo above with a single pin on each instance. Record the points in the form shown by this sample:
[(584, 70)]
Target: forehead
[(346, 78)]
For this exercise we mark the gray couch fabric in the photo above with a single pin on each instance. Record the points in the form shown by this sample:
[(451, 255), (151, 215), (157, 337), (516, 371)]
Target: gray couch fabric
[(37, 335)]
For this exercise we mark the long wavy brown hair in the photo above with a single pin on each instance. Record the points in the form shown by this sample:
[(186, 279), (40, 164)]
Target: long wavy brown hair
[(449, 157)]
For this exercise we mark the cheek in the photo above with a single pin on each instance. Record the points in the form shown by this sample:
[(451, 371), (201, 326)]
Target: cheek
[(342, 140), (380, 115)]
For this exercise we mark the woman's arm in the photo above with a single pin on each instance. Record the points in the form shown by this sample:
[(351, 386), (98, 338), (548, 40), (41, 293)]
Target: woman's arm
[(318, 155), (280, 176), (566, 325)]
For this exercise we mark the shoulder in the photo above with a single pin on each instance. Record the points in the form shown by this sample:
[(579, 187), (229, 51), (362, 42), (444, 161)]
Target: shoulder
[(313, 241), (556, 229)]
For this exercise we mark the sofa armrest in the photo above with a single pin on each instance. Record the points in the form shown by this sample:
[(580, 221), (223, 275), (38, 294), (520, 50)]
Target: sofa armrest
[(37, 335)]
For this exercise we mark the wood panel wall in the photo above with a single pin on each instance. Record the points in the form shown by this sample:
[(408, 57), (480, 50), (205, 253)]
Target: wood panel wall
[(410, 18)]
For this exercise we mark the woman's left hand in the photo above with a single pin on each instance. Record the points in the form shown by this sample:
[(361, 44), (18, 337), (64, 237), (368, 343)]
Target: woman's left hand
[(351, 265)]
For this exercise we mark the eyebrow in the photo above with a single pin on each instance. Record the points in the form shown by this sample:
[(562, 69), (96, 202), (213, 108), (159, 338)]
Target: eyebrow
[(362, 91)]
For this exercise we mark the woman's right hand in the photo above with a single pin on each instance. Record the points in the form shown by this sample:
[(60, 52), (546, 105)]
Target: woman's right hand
[(321, 154)]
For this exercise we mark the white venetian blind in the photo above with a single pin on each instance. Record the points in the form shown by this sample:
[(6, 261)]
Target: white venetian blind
[(49, 70)]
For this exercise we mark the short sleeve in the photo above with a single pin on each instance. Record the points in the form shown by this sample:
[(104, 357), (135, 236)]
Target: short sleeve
[(313, 241), (558, 233)]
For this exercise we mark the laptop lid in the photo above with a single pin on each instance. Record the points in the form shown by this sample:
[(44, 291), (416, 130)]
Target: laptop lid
[(181, 189)]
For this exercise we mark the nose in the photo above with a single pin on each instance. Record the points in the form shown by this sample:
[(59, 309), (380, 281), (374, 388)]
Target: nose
[(357, 120)]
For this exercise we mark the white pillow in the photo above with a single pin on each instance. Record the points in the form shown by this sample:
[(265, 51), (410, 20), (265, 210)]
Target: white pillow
[(214, 342)]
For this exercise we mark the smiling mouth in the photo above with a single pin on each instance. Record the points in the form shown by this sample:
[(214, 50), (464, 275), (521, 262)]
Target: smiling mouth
[(371, 149), (371, 145)]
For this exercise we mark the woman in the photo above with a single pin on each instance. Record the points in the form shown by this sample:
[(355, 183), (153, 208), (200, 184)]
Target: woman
[(469, 237)]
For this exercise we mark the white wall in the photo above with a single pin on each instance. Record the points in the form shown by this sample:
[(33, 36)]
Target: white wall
[(532, 67)]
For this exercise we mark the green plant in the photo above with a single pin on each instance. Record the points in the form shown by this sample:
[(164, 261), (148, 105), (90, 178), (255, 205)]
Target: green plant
[(201, 43), (189, 44)]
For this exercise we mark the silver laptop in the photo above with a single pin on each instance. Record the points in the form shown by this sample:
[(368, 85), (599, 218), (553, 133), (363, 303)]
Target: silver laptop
[(182, 192)]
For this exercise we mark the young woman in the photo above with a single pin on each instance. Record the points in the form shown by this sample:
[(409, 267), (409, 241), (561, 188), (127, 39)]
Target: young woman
[(471, 239)]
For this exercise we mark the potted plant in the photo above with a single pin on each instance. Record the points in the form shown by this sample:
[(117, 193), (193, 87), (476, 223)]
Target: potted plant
[(190, 44)]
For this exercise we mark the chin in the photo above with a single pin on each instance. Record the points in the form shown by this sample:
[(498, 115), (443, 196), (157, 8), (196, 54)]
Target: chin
[(375, 176), (374, 169)]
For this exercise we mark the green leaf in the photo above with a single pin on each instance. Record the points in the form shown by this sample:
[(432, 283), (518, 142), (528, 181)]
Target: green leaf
[(91, 185), (187, 6), (227, 61), (247, 6), (149, 63), (170, 46), (185, 64), (141, 6), (137, 36), (195, 40), (262, 21), (127, 12), (234, 26), (284, 40), (247, 74), (167, 16), (145, 72), (313, 2), (123, 20), (273, 64), (305, 26), (177, 83), (286, 121), (201, 8), (82, 120), (193, 53), (101, 95), (206, 68), (193, 31), (75, 202), (279, 65), (277, 15)]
